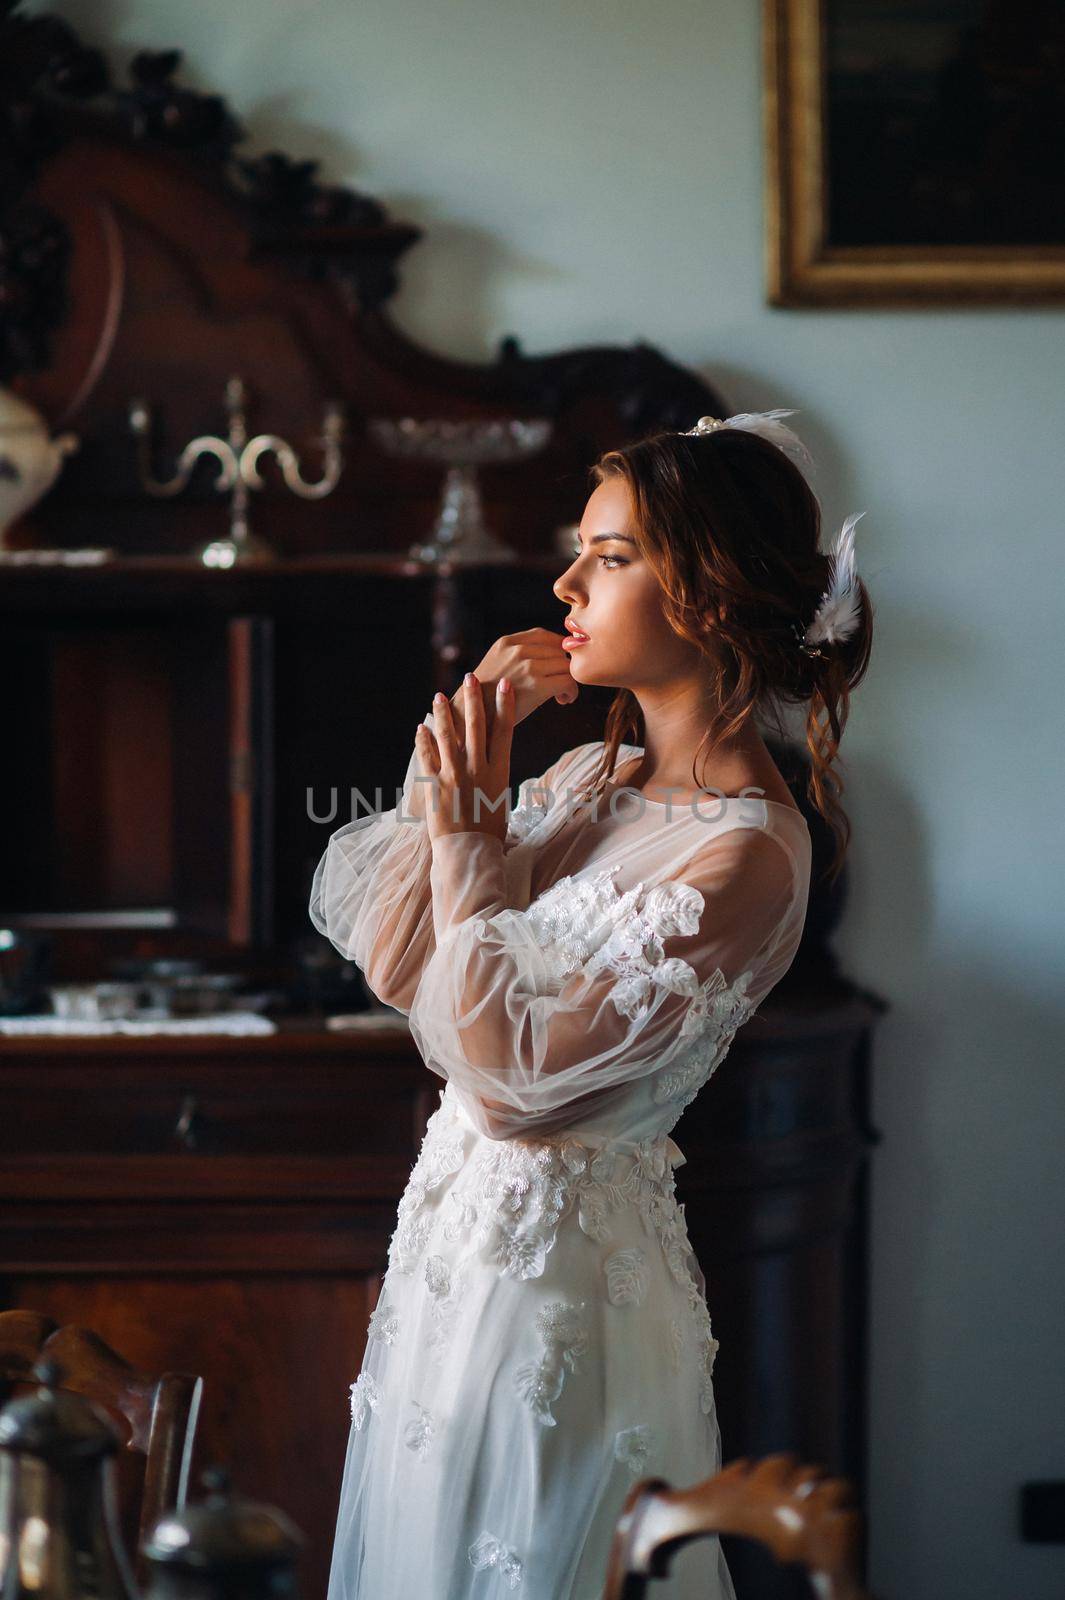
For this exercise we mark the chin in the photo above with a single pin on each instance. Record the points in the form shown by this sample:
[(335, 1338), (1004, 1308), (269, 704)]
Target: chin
[(580, 677), (578, 666), (583, 672)]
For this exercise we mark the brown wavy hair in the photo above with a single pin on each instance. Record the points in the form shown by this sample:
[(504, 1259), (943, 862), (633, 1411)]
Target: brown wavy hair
[(727, 519)]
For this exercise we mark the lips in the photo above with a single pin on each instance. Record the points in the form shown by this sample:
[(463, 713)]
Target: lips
[(578, 633)]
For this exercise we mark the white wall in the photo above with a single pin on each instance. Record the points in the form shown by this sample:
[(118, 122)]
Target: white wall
[(593, 172)]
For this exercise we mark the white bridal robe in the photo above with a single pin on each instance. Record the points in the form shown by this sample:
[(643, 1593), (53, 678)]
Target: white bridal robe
[(542, 1338)]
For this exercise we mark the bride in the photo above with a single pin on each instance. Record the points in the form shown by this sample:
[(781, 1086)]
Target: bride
[(575, 971)]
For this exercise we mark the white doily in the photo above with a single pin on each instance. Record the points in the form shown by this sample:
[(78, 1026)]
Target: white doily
[(234, 1022)]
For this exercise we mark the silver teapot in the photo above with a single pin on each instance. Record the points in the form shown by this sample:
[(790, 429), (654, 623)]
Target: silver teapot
[(223, 1548)]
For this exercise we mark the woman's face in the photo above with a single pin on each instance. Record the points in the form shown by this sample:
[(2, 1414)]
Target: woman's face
[(614, 597)]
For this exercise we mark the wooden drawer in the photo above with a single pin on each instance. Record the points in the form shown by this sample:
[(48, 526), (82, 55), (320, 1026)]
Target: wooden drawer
[(331, 1103)]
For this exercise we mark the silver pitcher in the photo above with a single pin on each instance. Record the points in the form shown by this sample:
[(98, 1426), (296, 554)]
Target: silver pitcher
[(59, 1535)]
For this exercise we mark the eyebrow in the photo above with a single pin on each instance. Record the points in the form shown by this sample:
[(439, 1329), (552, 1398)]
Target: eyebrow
[(601, 538)]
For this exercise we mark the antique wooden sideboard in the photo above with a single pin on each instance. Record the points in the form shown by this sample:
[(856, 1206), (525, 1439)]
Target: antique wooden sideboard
[(224, 1205)]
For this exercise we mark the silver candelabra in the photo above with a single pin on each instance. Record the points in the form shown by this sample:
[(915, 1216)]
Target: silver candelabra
[(238, 458)]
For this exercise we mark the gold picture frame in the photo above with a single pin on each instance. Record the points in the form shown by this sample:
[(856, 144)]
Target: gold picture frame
[(809, 259)]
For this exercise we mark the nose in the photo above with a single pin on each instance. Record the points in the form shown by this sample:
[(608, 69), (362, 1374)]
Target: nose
[(563, 587)]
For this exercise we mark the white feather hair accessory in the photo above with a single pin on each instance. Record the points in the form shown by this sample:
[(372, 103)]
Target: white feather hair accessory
[(839, 611), (765, 423)]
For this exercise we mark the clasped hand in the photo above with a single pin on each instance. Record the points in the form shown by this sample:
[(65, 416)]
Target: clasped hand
[(471, 779)]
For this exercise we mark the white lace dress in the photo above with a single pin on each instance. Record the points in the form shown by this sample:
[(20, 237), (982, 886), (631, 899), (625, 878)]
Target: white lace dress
[(542, 1338)]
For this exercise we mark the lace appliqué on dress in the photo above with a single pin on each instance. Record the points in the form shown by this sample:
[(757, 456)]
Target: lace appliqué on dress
[(518, 1191), (710, 1023), (719, 1007), (513, 1194), (365, 1397), (438, 1159), (383, 1324), (590, 923), (626, 1277), (633, 1446), (518, 1188), (418, 1435), (565, 1337), (488, 1551), (446, 1285), (709, 1354), (633, 949), (526, 816)]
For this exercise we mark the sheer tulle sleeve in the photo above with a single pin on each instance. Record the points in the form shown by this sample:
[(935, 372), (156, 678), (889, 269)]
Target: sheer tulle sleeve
[(371, 894), (536, 1015), (371, 897)]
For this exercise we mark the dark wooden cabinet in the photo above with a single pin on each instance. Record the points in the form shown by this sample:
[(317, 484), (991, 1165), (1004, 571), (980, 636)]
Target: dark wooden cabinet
[(219, 1206)]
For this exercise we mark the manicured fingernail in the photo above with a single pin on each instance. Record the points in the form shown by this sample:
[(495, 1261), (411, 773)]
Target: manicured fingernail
[(469, 677), (504, 684), (438, 699)]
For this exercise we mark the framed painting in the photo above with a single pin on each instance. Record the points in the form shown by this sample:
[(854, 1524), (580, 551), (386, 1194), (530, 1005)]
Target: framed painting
[(915, 151)]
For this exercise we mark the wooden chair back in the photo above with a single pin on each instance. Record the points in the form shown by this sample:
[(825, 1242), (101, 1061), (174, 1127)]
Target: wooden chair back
[(797, 1512), (160, 1410)]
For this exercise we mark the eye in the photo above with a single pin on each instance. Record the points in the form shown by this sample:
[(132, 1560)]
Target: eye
[(611, 562)]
